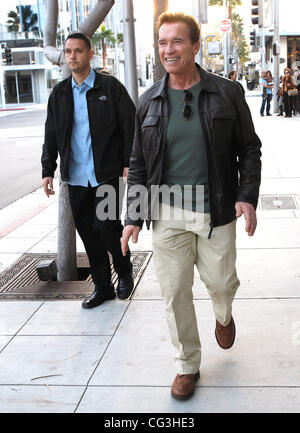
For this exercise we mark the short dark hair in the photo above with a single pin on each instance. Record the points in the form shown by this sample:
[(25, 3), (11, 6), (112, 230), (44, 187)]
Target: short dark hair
[(82, 36), (180, 17)]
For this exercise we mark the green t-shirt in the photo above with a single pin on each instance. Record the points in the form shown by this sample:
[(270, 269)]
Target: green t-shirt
[(185, 158)]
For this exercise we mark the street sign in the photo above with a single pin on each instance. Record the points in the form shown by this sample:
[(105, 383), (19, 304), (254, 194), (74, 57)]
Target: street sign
[(225, 25), (214, 48)]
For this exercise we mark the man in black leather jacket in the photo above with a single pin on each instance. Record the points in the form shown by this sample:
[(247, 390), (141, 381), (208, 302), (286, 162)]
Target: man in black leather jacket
[(193, 129), (90, 123)]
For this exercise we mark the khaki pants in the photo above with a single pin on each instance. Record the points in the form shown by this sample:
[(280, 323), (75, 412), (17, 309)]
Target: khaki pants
[(178, 245)]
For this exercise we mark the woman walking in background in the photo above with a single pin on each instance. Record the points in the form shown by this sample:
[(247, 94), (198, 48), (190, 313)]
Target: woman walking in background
[(286, 86)]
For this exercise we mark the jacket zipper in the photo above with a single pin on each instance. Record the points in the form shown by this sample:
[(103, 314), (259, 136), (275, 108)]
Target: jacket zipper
[(206, 146)]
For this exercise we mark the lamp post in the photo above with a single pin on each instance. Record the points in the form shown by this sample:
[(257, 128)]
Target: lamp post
[(129, 50), (276, 53)]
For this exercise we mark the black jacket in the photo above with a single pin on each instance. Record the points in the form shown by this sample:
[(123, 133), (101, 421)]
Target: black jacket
[(232, 146), (111, 117)]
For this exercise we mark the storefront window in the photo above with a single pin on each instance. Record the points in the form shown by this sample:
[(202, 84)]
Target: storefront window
[(18, 87), (298, 52), (293, 52), (21, 58)]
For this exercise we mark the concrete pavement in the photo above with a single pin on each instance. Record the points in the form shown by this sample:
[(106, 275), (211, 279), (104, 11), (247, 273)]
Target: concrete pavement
[(118, 356)]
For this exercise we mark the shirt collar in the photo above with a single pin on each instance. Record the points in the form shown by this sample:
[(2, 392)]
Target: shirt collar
[(89, 81)]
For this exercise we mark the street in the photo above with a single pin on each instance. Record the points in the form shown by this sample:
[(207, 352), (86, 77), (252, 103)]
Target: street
[(20, 152)]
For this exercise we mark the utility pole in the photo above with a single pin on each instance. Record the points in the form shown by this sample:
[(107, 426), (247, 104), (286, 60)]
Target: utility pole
[(276, 53), (200, 7), (263, 48), (129, 50)]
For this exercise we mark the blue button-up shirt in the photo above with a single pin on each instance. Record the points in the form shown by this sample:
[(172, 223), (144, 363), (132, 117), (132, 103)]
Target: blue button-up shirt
[(81, 162)]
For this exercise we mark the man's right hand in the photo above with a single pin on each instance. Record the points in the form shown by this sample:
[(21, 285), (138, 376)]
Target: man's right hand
[(129, 231), (48, 186)]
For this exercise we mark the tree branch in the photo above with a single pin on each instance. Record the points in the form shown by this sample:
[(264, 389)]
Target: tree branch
[(95, 18)]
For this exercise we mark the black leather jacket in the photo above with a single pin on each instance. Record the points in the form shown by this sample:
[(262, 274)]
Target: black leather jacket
[(111, 118), (232, 146)]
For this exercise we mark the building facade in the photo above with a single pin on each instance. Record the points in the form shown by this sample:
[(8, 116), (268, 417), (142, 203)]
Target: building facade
[(289, 30)]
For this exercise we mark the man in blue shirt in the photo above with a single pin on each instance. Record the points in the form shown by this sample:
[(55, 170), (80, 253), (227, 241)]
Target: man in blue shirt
[(266, 95), (90, 122)]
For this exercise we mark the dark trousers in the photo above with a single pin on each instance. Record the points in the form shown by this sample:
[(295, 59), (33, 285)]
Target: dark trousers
[(287, 101), (99, 236), (266, 99)]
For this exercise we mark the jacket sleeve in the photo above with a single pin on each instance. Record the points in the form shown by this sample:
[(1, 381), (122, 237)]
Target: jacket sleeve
[(50, 151), (248, 153), (126, 113), (137, 175)]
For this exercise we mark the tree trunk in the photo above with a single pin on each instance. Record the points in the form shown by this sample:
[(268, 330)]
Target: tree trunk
[(66, 249), (159, 6), (103, 53)]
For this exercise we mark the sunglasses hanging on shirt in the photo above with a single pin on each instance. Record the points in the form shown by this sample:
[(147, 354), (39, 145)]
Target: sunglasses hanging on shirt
[(187, 109)]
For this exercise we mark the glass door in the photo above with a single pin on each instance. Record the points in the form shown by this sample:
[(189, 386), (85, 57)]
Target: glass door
[(25, 86), (11, 96)]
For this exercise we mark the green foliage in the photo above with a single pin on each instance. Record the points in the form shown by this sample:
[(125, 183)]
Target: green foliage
[(105, 38), (230, 3), (28, 17), (239, 37), (105, 35)]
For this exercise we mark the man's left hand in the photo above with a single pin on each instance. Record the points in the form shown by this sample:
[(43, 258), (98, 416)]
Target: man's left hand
[(125, 173), (250, 216)]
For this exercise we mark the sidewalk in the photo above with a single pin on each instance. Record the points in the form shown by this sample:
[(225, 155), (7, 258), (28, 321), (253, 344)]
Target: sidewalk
[(118, 357)]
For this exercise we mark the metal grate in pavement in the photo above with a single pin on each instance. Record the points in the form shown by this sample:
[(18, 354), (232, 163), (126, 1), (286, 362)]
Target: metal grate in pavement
[(21, 281), (277, 202)]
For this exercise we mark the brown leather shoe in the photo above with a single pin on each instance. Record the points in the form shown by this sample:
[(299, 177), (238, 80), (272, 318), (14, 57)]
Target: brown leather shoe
[(183, 386), (225, 335)]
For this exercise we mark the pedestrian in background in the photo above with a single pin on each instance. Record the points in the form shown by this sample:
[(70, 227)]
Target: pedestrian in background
[(280, 98), (233, 76), (287, 86), (266, 93), (296, 82)]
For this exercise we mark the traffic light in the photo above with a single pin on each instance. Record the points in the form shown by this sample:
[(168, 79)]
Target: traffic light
[(254, 12), (253, 38), (231, 60), (8, 56), (257, 13)]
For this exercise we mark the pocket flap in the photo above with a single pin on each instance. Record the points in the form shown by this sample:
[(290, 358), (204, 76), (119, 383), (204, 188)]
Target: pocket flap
[(224, 113)]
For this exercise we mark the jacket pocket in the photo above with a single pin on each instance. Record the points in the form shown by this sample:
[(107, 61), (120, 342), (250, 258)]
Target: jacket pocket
[(150, 134), (223, 123)]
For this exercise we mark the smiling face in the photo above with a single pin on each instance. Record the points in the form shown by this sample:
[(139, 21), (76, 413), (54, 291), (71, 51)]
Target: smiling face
[(78, 57), (176, 50)]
